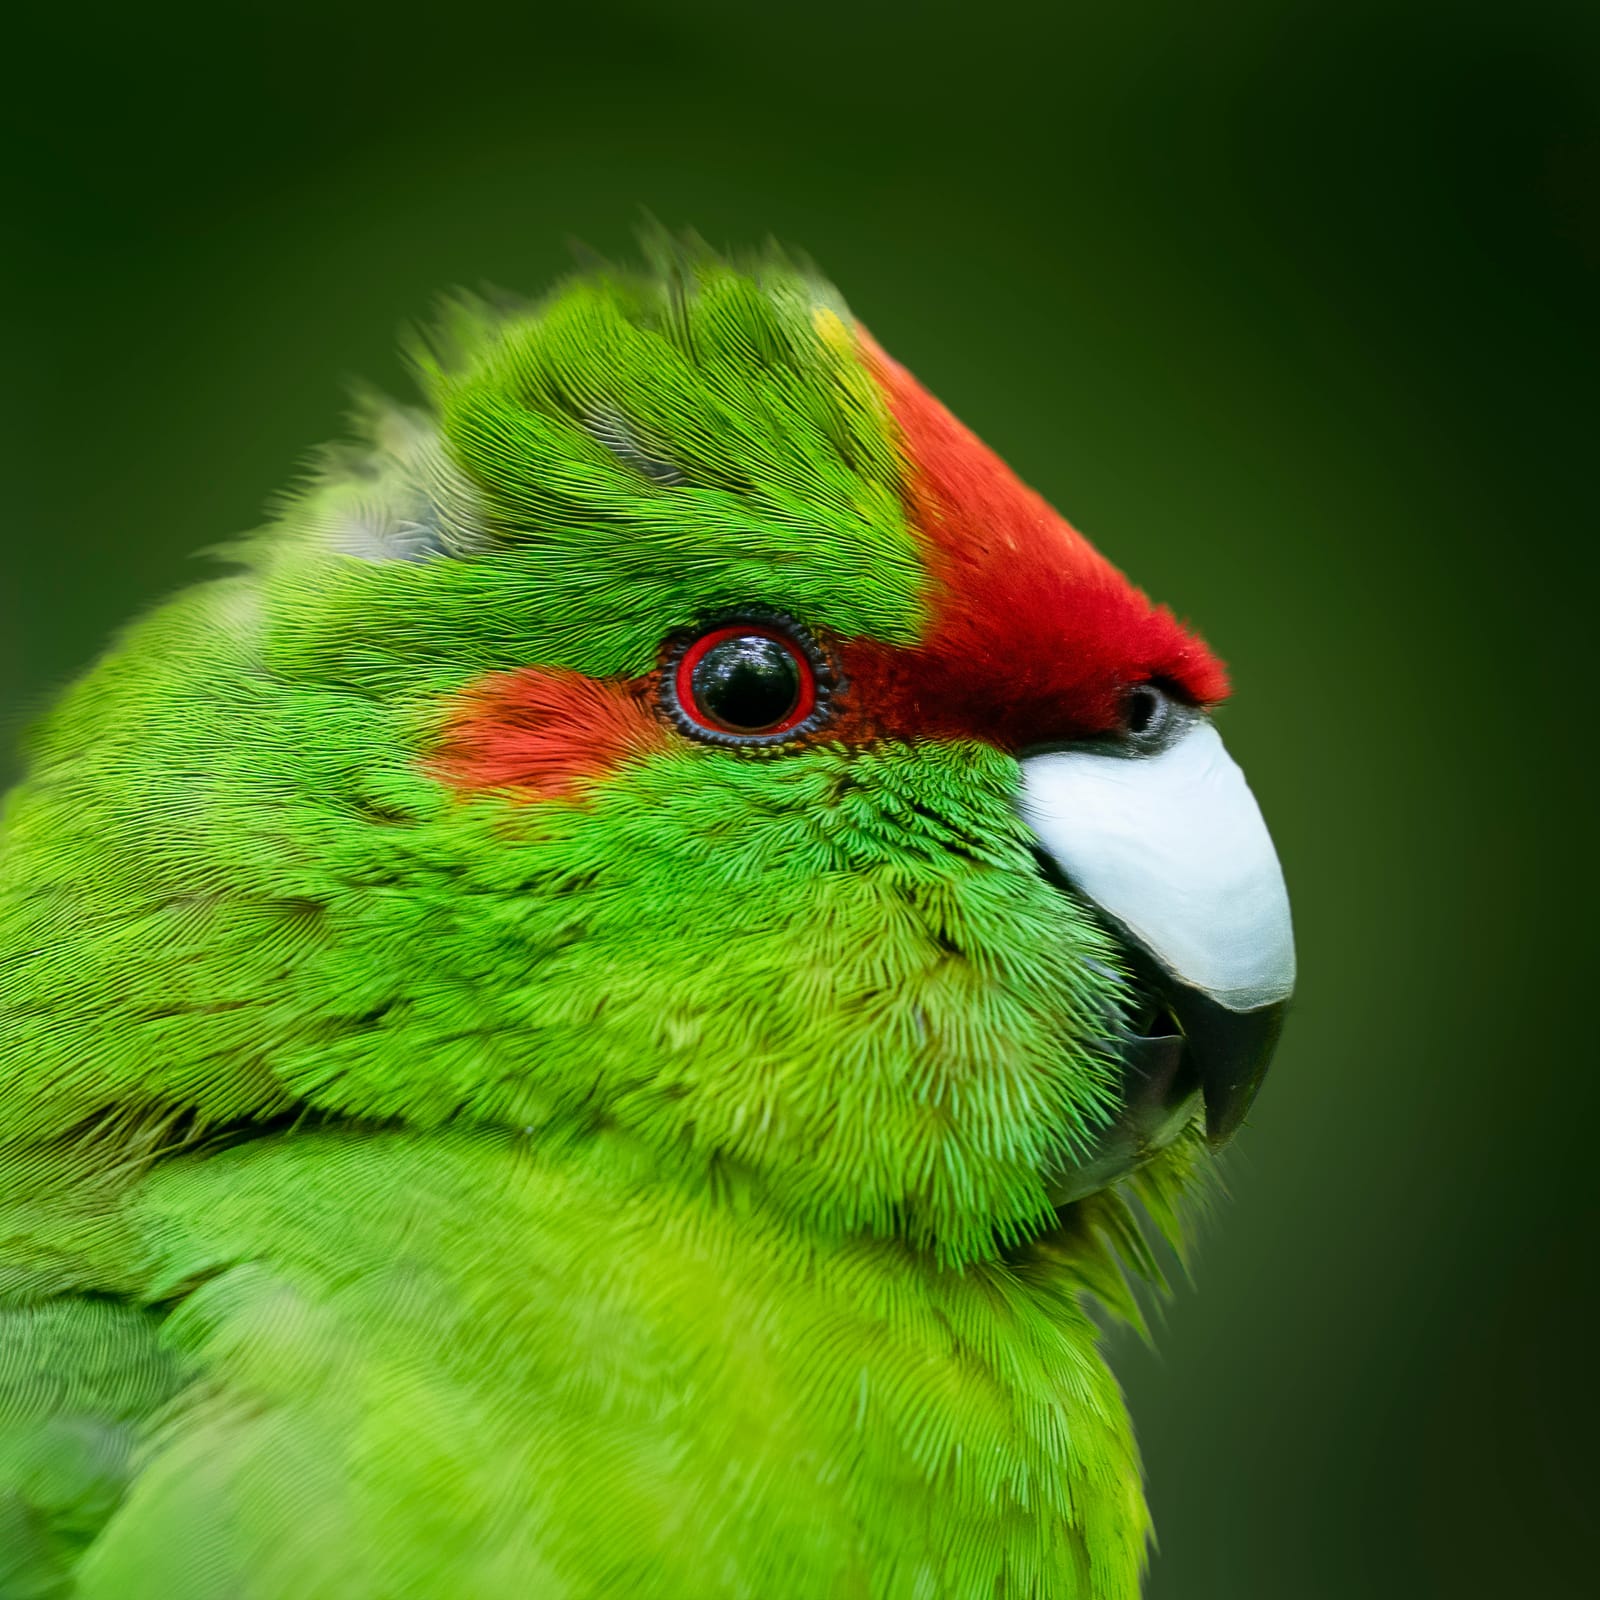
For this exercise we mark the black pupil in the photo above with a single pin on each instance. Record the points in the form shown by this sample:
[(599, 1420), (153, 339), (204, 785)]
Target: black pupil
[(747, 684)]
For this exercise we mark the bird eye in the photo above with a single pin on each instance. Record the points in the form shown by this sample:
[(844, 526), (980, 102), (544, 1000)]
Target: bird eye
[(750, 680), (744, 683)]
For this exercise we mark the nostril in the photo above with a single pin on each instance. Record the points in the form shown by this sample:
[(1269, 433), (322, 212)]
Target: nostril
[(1144, 706)]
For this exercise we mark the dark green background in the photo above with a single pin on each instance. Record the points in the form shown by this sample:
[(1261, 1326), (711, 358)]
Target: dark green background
[(1283, 304)]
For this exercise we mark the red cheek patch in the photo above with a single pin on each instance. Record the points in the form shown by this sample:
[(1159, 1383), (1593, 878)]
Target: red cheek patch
[(547, 732)]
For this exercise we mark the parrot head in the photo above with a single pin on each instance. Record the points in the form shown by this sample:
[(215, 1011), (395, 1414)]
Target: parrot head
[(680, 726)]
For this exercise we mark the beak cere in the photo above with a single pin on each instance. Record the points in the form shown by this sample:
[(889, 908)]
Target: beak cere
[(1172, 851)]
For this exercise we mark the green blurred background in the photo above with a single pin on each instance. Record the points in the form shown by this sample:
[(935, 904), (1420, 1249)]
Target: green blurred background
[(1284, 304)]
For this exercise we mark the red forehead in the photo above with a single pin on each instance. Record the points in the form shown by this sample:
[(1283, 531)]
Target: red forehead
[(1034, 633)]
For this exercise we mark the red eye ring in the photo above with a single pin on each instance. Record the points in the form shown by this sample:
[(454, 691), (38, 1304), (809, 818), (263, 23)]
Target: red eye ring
[(695, 703), (753, 678)]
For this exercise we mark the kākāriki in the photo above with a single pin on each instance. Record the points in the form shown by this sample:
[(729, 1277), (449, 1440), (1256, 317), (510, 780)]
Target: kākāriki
[(586, 1019)]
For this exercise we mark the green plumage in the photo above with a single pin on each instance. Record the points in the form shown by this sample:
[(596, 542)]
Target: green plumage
[(645, 1191)]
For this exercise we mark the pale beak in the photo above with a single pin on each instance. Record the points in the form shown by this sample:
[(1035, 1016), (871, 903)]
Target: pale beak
[(1172, 852)]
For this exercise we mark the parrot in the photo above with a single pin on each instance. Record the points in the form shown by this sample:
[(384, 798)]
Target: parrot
[(617, 1003)]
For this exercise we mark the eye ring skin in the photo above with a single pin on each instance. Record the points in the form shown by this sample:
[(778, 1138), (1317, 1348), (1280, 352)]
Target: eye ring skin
[(684, 650)]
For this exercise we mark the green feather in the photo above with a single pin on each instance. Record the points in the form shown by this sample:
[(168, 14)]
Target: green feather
[(645, 1192)]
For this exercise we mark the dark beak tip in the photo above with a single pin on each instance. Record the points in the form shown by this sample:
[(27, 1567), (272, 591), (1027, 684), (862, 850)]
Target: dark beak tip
[(1232, 1050), (1226, 1110)]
